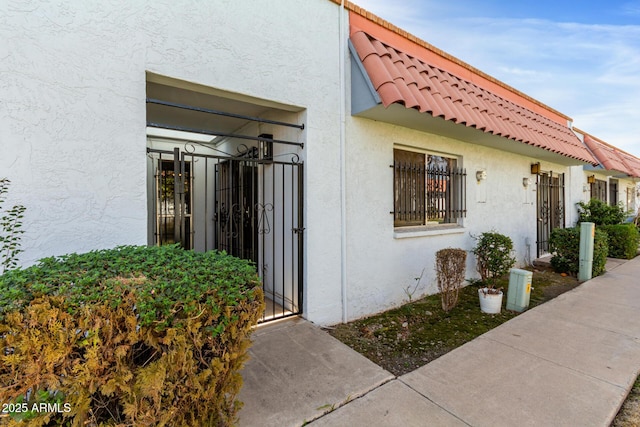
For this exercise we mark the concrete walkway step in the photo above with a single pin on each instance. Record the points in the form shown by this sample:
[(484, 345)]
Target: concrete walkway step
[(298, 372), (568, 362)]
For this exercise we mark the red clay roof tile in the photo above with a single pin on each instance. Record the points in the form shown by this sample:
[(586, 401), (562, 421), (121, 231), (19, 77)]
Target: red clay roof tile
[(632, 162), (363, 20), (612, 158), (400, 78)]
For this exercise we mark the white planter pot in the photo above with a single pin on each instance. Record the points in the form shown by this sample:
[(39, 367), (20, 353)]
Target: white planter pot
[(490, 303)]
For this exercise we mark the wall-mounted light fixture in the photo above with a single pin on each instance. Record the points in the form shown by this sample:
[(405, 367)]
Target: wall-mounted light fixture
[(265, 147), (591, 179), (535, 168), (526, 182), (481, 175)]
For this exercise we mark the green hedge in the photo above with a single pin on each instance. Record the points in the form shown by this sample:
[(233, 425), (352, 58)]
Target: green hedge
[(564, 244), (144, 336), (600, 213), (623, 240)]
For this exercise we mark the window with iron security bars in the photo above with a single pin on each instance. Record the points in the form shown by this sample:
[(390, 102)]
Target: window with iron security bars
[(428, 189), (599, 190)]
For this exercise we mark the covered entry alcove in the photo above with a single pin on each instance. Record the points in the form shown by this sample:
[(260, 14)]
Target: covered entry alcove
[(225, 172)]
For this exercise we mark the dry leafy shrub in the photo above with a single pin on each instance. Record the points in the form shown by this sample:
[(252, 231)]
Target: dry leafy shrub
[(450, 267), (159, 347)]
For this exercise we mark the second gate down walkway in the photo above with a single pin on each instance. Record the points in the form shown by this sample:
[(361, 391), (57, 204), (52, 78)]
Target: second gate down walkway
[(568, 362)]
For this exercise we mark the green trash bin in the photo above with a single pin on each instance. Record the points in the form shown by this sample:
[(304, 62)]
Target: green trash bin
[(519, 289)]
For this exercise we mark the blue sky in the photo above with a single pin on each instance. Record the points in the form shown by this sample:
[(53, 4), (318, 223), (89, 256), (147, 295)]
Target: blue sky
[(582, 59)]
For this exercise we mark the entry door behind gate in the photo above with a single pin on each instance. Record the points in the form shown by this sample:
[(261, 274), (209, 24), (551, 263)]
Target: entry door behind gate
[(258, 216), (550, 208), (247, 206), (235, 202), (229, 189)]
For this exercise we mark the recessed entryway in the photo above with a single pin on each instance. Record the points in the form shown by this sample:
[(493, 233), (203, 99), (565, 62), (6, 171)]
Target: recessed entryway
[(228, 174)]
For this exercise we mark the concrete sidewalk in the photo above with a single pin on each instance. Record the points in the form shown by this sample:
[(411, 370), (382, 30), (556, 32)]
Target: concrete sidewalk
[(568, 362), (298, 372)]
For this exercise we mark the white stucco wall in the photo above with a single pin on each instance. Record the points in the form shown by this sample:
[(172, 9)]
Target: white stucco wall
[(72, 111), (581, 191), (634, 205), (381, 262), (628, 200), (73, 139)]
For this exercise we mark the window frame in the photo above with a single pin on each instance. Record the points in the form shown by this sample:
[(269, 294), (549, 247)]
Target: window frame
[(598, 190), (412, 212), (614, 188)]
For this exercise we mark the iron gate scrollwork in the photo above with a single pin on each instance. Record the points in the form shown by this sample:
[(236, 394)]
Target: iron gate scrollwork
[(248, 205), (236, 197), (550, 208)]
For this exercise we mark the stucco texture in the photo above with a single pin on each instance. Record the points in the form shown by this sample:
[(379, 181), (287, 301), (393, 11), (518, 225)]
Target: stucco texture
[(383, 263), (73, 113)]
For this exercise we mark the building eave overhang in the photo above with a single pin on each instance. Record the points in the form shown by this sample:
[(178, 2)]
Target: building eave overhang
[(457, 109), (612, 161)]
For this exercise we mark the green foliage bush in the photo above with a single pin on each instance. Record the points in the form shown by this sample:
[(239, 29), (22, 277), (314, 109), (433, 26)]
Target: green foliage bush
[(144, 336), (600, 213), (493, 252), (564, 244), (600, 253), (10, 230), (623, 240)]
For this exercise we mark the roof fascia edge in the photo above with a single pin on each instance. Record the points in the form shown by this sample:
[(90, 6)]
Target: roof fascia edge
[(364, 76), (600, 168)]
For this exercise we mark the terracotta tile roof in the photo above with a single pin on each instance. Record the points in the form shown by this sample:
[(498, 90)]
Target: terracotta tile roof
[(362, 20), (404, 79), (632, 163), (612, 158)]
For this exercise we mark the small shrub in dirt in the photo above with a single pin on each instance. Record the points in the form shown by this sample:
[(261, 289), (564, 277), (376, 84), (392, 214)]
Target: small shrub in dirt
[(133, 336), (564, 244), (494, 255), (450, 267)]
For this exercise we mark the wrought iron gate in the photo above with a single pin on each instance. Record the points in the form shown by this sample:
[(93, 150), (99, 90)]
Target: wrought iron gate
[(248, 205), (550, 207)]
